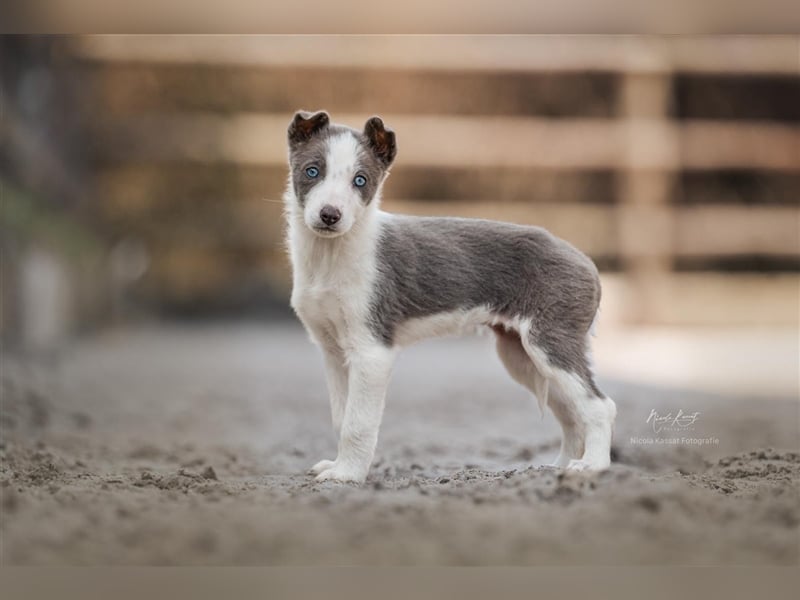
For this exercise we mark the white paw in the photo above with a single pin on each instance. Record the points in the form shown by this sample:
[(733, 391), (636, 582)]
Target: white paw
[(321, 466), (560, 462), (578, 464), (341, 474), (582, 464)]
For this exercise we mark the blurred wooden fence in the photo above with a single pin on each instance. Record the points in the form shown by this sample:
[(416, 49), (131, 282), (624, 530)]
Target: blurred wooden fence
[(674, 162)]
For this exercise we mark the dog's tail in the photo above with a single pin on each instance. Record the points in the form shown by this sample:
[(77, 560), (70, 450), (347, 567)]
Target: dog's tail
[(544, 372)]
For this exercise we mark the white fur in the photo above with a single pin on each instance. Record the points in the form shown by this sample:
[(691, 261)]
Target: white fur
[(457, 322), (587, 423), (332, 283), (336, 189)]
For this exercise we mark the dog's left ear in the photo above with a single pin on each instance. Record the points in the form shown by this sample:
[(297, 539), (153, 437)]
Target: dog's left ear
[(381, 140)]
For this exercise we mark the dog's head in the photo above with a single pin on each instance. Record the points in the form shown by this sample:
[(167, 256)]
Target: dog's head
[(336, 171)]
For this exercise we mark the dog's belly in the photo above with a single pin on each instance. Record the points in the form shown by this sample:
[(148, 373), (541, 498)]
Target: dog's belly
[(450, 323)]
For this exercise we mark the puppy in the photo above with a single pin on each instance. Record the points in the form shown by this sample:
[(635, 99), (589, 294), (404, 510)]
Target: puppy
[(367, 283)]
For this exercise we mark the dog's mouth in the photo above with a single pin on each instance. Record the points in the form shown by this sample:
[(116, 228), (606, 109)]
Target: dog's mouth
[(326, 230)]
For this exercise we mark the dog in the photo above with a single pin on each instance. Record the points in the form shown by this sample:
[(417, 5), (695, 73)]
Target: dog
[(367, 283)]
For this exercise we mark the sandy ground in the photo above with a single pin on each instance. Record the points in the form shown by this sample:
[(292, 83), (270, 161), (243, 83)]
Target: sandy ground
[(188, 445)]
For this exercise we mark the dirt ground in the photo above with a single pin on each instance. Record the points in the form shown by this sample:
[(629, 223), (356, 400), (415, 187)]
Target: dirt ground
[(189, 444)]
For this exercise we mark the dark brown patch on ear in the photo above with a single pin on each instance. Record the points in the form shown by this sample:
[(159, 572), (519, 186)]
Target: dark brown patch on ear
[(305, 124), (381, 140)]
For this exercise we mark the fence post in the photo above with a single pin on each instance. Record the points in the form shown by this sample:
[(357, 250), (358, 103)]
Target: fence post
[(649, 164)]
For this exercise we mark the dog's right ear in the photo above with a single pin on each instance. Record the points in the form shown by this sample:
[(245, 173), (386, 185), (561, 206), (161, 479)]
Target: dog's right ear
[(305, 124)]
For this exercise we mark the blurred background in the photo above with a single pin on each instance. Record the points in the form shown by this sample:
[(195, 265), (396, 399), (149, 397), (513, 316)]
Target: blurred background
[(161, 404), (142, 177)]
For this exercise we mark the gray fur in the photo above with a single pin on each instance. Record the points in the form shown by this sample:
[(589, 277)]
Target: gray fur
[(429, 265), (308, 145)]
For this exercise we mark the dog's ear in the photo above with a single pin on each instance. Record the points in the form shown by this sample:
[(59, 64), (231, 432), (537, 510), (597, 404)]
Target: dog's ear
[(381, 140), (305, 124)]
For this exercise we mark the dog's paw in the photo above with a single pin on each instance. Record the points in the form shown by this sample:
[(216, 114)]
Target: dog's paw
[(321, 466), (560, 462), (581, 464), (578, 464), (341, 474)]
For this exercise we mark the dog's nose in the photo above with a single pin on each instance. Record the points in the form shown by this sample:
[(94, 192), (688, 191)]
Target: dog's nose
[(330, 214)]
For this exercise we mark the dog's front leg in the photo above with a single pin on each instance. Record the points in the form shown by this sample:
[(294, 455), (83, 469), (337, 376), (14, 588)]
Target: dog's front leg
[(369, 372), (336, 372)]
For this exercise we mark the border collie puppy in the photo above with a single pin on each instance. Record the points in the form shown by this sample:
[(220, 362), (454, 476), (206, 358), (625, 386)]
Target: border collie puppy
[(366, 283)]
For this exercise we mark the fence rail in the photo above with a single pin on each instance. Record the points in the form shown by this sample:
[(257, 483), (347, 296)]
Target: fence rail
[(629, 54), (442, 141), (580, 135)]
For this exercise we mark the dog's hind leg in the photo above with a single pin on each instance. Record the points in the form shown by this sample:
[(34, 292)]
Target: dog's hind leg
[(524, 371), (586, 415), (519, 365), (587, 420)]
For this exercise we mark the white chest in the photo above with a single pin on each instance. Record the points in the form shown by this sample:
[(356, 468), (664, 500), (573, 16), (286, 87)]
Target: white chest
[(331, 295)]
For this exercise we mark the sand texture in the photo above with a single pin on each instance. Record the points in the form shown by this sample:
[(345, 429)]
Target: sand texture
[(189, 445)]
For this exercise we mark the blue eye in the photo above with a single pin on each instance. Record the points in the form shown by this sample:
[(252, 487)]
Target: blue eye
[(312, 172), (360, 181)]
